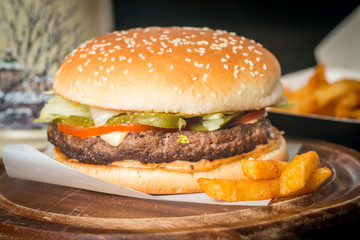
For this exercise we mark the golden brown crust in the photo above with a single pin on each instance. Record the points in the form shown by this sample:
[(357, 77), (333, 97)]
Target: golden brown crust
[(180, 70), (161, 181)]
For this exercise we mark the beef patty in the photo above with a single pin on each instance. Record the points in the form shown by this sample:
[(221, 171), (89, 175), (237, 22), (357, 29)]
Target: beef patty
[(160, 147)]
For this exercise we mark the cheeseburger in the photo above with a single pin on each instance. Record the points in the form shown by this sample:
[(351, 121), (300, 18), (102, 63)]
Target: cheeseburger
[(154, 109)]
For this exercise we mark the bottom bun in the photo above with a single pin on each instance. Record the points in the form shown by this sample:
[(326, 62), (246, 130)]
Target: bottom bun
[(161, 181)]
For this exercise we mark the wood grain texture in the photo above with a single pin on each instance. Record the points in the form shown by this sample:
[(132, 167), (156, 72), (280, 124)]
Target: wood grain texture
[(43, 211)]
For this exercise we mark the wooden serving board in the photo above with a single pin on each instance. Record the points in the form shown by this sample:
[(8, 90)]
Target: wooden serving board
[(32, 210)]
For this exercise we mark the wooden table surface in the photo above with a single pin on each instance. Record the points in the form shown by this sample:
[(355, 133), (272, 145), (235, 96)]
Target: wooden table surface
[(32, 210)]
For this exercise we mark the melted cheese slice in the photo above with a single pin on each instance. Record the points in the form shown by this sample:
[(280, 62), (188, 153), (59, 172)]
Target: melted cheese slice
[(114, 138)]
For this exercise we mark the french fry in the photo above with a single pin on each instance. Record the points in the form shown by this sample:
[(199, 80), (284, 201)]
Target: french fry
[(240, 190), (326, 94), (303, 99), (316, 81), (338, 99), (301, 176), (299, 170), (318, 177), (355, 114), (347, 104), (262, 169)]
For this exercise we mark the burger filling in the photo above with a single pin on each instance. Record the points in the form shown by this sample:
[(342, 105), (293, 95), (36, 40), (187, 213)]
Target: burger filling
[(158, 146), (101, 137)]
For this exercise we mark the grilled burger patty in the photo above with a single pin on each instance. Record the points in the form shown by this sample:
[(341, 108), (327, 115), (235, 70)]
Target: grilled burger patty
[(160, 147)]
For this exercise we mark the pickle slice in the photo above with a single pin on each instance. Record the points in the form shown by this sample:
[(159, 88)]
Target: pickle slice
[(77, 121), (161, 120)]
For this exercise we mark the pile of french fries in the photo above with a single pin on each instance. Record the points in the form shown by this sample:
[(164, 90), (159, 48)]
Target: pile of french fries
[(318, 96), (270, 179)]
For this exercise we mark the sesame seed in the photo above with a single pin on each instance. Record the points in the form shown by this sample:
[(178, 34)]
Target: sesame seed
[(226, 66), (245, 54), (172, 66), (176, 88), (194, 78), (112, 86), (129, 60), (96, 73), (126, 71), (264, 67), (251, 48), (227, 56), (101, 67), (198, 95), (205, 76), (257, 59), (151, 70), (223, 59), (77, 83), (207, 66), (149, 64), (213, 95), (188, 59)]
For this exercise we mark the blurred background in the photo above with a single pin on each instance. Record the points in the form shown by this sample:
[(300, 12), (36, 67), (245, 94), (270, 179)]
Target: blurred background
[(36, 35)]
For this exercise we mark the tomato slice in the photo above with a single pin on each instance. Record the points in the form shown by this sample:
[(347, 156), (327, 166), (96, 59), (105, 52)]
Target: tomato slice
[(248, 117), (99, 130)]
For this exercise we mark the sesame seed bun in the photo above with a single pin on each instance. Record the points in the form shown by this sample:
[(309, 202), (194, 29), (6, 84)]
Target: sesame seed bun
[(171, 70)]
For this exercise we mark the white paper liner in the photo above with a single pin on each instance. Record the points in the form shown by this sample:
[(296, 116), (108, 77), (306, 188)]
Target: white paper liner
[(25, 162)]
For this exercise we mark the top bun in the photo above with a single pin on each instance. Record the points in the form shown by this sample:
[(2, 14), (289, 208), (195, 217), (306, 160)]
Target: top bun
[(172, 70)]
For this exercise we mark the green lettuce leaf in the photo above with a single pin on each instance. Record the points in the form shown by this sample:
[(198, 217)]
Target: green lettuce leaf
[(283, 104), (61, 109), (213, 122)]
